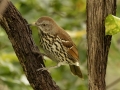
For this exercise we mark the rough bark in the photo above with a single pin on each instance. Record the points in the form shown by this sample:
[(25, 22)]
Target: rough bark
[(20, 36), (98, 43)]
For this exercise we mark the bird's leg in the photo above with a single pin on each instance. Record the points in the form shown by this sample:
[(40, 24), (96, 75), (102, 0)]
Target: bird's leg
[(39, 54), (43, 68), (58, 65)]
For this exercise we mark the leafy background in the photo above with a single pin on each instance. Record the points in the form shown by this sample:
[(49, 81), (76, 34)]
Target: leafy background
[(71, 15)]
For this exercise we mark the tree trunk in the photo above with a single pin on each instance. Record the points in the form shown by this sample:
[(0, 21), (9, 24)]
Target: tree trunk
[(98, 43), (20, 36)]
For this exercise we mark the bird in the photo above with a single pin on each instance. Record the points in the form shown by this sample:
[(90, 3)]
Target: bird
[(57, 44)]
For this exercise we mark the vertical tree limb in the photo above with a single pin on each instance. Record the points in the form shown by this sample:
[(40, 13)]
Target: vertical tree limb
[(20, 36), (98, 43)]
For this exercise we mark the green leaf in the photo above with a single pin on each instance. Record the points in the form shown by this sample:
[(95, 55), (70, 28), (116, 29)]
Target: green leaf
[(112, 25)]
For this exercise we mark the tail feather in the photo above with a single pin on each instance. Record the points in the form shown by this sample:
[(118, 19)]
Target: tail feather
[(76, 70)]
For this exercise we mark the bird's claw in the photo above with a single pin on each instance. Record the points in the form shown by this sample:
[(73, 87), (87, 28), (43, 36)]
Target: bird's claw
[(42, 69)]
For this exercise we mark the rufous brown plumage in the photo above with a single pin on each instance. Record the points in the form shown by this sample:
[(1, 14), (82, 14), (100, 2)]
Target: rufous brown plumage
[(57, 44)]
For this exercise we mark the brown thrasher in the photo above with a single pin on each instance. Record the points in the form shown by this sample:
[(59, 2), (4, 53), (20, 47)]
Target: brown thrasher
[(57, 44)]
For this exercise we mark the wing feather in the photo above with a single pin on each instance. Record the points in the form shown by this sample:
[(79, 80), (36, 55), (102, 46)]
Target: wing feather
[(68, 43)]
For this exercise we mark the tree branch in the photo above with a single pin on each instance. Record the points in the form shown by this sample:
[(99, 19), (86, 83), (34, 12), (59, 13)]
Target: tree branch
[(20, 36), (98, 43), (113, 83)]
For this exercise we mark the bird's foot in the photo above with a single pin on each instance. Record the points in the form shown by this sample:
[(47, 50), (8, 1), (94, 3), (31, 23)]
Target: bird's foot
[(42, 69), (39, 54)]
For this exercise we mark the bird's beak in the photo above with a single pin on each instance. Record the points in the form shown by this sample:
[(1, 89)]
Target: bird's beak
[(32, 24)]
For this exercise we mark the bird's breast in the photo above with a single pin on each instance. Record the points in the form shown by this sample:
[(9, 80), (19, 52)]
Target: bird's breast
[(53, 47)]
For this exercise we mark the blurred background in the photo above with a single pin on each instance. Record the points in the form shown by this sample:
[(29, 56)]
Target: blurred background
[(71, 15)]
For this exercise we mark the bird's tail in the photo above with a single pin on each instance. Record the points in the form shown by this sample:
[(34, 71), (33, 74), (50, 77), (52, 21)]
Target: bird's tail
[(76, 70)]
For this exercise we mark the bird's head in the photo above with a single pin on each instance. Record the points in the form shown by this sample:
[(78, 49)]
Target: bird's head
[(46, 25)]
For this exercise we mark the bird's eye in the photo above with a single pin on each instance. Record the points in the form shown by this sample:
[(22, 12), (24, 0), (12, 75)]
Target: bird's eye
[(44, 24)]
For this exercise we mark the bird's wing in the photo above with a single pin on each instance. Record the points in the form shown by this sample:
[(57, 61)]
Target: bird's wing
[(71, 47)]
